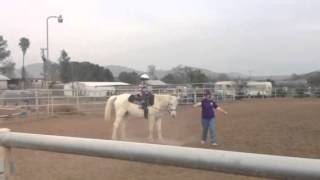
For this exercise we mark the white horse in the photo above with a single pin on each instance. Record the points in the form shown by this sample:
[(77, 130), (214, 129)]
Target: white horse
[(124, 108)]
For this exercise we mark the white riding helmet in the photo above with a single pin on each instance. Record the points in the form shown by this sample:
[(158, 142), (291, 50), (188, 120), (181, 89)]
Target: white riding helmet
[(144, 77)]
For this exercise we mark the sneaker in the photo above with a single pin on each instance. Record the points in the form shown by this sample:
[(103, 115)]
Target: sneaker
[(202, 142), (214, 144)]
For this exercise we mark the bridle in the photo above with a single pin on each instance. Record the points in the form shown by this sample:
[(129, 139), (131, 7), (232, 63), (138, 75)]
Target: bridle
[(170, 108)]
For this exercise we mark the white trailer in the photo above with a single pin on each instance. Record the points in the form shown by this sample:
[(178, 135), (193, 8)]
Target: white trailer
[(255, 88), (225, 88)]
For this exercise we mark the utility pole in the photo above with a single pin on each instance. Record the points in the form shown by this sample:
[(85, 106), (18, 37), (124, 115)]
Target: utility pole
[(44, 59)]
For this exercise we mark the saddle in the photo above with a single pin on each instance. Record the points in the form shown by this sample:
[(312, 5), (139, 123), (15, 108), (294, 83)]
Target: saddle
[(138, 99), (143, 101)]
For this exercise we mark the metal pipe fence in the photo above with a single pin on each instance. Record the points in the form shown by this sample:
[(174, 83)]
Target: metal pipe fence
[(248, 164)]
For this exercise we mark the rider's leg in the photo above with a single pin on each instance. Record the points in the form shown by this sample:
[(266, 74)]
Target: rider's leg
[(145, 110)]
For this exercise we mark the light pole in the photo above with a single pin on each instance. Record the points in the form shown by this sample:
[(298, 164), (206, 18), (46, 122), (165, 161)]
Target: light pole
[(60, 20)]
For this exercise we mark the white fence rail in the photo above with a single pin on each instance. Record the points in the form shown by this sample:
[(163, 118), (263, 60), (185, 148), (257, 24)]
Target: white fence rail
[(249, 164), (47, 102)]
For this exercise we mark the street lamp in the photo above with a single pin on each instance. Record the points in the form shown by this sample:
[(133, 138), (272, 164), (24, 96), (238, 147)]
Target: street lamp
[(60, 20)]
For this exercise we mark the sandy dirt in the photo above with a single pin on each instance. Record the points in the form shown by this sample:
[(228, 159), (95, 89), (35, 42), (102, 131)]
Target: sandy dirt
[(289, 127)]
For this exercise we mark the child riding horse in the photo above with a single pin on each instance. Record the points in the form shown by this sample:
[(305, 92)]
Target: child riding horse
[(144, 94)]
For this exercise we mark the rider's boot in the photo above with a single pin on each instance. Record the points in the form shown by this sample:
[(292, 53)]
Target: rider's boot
[(145, 112)]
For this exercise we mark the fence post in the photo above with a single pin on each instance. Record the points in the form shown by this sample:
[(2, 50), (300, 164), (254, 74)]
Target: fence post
[(223, 96), (37, 102), (77, 99), (48, 103), (5, 158), (52, 104)]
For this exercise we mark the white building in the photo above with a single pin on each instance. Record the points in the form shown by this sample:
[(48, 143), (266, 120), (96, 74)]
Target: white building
[(225, 88), (3, 82), (93, 89), (255, 88)]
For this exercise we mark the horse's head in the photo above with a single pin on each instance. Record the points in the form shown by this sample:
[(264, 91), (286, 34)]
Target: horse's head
[(172, 106)]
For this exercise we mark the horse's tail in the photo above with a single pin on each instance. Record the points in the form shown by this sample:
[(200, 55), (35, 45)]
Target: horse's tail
[(109, 107)]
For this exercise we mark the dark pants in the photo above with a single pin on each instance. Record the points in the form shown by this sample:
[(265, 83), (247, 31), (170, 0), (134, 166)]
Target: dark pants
[(144, 105)]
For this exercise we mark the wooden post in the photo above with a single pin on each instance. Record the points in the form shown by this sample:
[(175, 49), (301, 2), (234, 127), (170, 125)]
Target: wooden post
[(5, 160)]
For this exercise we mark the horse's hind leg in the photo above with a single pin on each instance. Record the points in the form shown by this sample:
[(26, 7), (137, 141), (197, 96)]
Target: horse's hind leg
[(123, 128), (151, 127), (159, 129), (116, 124)]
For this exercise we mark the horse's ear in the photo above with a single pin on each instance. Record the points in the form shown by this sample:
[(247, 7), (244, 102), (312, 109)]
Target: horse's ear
[(177, 97), (175, 94)]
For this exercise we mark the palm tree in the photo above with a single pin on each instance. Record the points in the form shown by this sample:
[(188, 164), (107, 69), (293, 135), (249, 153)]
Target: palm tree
[(24, 45)]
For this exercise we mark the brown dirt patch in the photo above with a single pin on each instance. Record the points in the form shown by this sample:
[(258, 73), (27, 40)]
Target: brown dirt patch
[(288, 127)]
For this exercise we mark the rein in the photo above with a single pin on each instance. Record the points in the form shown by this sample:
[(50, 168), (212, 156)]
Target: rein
[(169, 108)]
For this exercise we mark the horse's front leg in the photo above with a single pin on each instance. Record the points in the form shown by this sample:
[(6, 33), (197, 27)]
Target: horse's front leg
[(151, 127), (123, 129), (159, 129), (115, 127)]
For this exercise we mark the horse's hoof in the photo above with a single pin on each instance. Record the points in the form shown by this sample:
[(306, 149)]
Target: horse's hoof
[(150, 139), (161, 140)]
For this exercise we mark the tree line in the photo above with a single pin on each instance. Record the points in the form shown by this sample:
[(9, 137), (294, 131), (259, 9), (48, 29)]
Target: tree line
[(66, 70), (178, 75), (6, 64), (82, 71)]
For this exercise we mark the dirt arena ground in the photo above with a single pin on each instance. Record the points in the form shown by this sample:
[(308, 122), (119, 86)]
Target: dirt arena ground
[(289, 127)]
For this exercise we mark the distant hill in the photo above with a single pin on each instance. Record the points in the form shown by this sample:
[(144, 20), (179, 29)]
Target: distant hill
[(116, 70), (275, 78), (161, 73), (314, 74), (35, 70)]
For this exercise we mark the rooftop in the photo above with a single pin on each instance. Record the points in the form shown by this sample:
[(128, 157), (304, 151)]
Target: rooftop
[(104, 83), (3, 78)]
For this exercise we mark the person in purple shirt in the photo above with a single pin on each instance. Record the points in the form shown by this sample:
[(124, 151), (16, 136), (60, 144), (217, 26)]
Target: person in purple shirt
[(208, 107)]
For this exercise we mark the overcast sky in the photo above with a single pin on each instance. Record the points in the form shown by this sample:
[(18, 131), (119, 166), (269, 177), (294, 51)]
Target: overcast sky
[(266, 37)]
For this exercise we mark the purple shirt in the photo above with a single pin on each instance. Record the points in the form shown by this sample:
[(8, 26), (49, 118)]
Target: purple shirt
[(207, 108)]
